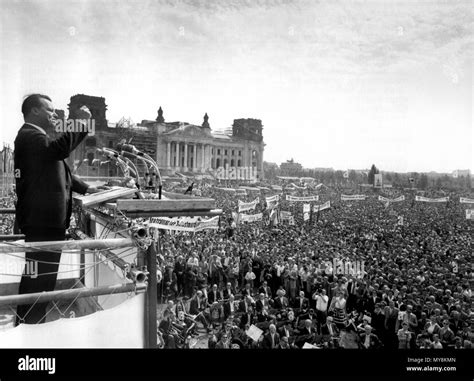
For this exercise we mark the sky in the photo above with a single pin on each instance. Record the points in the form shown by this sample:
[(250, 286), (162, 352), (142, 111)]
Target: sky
[(339, 83)]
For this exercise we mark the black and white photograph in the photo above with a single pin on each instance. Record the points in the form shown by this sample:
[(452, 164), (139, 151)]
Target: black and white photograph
[(189, 177)]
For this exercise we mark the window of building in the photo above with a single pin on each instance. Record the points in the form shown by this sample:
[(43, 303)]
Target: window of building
[(218, 151), (225, 163), (233, 153), (240, 153), (111, 144), (225, 152), (239, 164), (218, 163), (232, 163)]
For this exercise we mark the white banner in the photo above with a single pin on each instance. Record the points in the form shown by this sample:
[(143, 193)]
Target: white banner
[(291, 221), (385, 199), (184, 225), (244, 206), (306, 208), (251, 217), (465, 200), (284, 215), (307, 198), (298, 187), (353, 197), (426, 199), (306, 216), (318, 208), (469, 214), (272, 198)]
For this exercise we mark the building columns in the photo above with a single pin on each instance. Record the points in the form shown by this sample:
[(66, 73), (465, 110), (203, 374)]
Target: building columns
[(185, 168), (168, 155), (203, 154), (178, 163)]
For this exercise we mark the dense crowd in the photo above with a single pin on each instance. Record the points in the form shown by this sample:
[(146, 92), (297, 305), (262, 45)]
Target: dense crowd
[(7, 220), (361, 274), (354, 276)]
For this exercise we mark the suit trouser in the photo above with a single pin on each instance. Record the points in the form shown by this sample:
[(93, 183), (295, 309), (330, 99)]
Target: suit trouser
[(44, 279)]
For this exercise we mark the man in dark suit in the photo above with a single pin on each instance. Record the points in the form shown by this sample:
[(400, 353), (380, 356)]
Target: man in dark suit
[(271, 339), (265, 289), (44, 186), (245, 304), (301, 303), (229, 307), (214, 295), (247, 318), (228, 291), (280, 302)]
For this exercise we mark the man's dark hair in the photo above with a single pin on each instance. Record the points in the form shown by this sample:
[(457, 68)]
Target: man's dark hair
[(32, 101)]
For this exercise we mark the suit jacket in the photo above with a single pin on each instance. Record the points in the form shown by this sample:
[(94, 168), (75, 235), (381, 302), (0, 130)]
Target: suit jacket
[(45, 183), (227, 311), (369, 303), (267, 340), (245, 318), (193, 306), (259, 306), (277, 304), (297, 303), (210, 297), (242, 306), (226, 293)]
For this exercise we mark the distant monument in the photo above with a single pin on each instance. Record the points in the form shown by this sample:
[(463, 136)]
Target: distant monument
[(160, 118), (205, 123)]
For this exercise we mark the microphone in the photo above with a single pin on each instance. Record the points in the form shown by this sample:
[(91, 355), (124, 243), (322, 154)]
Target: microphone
[(128, 154), (129, 148)]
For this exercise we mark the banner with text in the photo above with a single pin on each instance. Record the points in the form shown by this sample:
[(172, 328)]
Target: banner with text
[(385, 199), (469, 214), (272, 198), (426, 199), (285, 216), (272, 202), (297, 186), (306, 198), (244, 206), (185, 224), (306, 208), (465, 200), (354, 197), (251, 217), (318, 208)]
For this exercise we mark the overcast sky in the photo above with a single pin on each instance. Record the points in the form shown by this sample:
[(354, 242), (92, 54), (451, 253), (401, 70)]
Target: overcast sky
[(340, 84)]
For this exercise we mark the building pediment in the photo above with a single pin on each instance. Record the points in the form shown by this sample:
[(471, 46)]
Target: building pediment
[(189, 131)]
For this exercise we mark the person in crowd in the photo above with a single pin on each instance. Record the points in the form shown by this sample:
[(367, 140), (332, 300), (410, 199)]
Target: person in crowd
[(404, 337), (272, 339)]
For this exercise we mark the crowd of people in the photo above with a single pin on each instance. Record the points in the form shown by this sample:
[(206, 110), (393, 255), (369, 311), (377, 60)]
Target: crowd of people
[(355, 275), (7, 220), (360, 274)]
